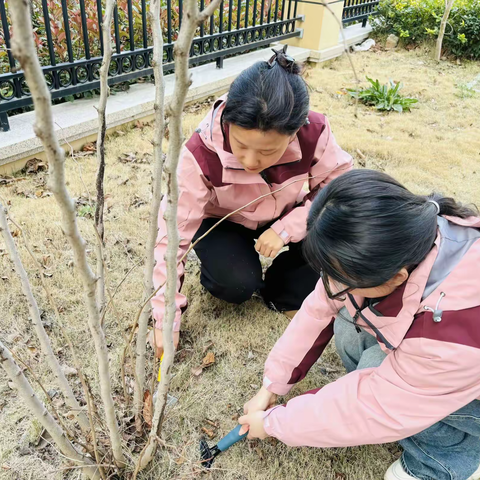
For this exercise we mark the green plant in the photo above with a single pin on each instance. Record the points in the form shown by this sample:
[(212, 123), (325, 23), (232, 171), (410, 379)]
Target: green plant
[(86, 211), (416, 21), (465, 91), (383, 97)]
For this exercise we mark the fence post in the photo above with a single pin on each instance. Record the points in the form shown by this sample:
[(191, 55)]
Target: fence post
[(4, 125), (320, 30)]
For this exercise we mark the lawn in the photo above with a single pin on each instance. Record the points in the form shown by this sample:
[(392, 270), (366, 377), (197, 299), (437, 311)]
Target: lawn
[(436, 146)]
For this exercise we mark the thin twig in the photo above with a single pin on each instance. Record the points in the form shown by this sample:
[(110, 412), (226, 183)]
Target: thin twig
[(76, 360)]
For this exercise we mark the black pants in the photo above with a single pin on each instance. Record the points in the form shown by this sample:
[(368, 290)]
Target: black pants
[(231, 268)]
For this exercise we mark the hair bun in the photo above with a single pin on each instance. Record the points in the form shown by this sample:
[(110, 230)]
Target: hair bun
[(285, 61)]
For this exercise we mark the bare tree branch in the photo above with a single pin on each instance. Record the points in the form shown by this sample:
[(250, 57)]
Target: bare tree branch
[(41, 413), (191, 19), (24, 49), (45, 344), (76, 361), (102, 128), (443, 26), (140, 364)]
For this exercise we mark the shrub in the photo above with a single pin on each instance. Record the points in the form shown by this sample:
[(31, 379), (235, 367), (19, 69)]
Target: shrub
[(415, 21), (383, 97)]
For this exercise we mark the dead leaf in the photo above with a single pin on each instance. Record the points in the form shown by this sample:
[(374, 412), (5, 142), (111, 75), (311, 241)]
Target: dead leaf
[(260, 453), (71, 415), (7, 180), (69, 370), (34, 165), (180, 460), (235, 417), (137, 202), (90, 147), (208, 360), (197, 371), (128, 157), (148, 408), (208, 432)]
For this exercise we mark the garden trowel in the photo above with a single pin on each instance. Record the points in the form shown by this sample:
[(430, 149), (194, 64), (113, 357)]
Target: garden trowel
[(208, 454)]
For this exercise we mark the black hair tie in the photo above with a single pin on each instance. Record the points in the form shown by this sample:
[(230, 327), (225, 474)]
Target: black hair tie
[(285, 61)]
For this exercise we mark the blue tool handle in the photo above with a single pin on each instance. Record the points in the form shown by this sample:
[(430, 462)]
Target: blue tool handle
[(231, 438)]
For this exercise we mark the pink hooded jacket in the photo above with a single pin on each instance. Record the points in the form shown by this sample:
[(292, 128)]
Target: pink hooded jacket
[(212, 184), (429, 328)]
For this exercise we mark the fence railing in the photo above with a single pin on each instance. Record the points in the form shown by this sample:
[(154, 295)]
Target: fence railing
[(358, 11), (70, 47)]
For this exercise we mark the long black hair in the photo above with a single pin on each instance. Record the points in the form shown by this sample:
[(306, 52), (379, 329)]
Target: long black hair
[(269, 96), (364, 227)]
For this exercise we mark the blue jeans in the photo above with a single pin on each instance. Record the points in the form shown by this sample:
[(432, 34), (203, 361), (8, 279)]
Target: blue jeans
[(449, 449)]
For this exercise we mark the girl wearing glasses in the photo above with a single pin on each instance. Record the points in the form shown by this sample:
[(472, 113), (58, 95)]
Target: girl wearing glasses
[(400, 290), (260, 138)]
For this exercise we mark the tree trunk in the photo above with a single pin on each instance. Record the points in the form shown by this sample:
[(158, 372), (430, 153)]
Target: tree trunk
[(443, 26), (42, 415), (45, 344), (24, 50), (155, 10)]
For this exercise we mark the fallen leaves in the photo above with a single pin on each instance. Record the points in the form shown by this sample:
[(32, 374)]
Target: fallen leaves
[(33, 166), (208, 361), (135, 157), (7, 180)]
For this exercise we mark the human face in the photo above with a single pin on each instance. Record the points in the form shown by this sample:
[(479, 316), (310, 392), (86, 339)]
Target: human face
[(256, 150), (338, 291)]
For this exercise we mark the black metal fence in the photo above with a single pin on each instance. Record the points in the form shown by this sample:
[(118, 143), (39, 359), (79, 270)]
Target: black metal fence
[(70, 47), (358, 11)]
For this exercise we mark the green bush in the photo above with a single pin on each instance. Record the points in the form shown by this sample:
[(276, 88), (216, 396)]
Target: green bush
[(415, 21), (383, 97)]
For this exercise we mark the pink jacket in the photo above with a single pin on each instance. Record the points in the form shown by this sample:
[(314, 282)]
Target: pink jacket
[(432, 368), (212, 184)]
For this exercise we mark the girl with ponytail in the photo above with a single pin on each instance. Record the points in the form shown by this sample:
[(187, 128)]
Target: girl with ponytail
[(259, 138), (400, 290)]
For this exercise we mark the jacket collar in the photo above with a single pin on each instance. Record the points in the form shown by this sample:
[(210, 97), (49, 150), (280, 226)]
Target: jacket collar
[(400, 307), (392, 317)]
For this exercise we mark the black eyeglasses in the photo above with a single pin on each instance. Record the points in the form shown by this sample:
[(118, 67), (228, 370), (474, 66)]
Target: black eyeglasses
[(341, 295)]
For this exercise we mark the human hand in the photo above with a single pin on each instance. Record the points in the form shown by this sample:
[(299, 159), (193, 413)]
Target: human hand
[(155, 337), (269, 243), (262, 401), (253, 424)]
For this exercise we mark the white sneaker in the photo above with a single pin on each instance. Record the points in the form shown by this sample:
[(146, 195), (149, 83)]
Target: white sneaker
[(396, 472), (475, 475)]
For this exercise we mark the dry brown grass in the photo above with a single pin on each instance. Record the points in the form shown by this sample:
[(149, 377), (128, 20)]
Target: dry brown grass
[(435, 146)]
